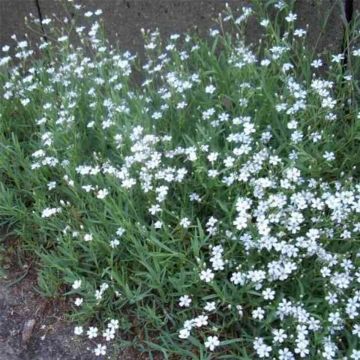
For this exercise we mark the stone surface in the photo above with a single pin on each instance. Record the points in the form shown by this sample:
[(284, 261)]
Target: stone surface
[(325, 22), (124, 18), (356, 8), (12, 14)]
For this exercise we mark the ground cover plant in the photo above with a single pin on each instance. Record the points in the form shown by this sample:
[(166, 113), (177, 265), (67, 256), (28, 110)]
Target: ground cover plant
[(211, 209)]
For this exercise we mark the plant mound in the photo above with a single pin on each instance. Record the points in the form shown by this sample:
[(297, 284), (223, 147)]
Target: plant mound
[(207, 202)]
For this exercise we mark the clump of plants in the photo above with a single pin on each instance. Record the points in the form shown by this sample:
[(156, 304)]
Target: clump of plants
[(209, 210)]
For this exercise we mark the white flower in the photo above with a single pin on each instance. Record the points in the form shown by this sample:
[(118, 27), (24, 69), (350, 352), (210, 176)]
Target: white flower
[(185, 222), (201, 320), (184, 333), (185, 301), (79, 301), (279, 335), (92, 332), (212, 342), (120, 231), (268, 294), (76, 284), (113, 324), (299, 32), (88, 237), (337, 58), (261, 348), (212, 156), (114, 243), (109, 334), (100, 350), (62, 38), (51, 185), (78, 330), (291, 17), (317, 63), (101, 194), (210, 89), (210, 306), (329, 155), (258, 313), (158, 224), (46, 21), (265, 22), (50, 212), (154, 209), (206, 275), (356, 330)]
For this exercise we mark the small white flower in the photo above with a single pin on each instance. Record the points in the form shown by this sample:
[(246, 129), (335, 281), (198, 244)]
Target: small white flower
[(120, 231), (114, 243), (100, 350), (92, 332), (201, 320), (76, 284), (299, 33), (79, 301), (184, 333), (210, 89), (317, 63), (212, 342), (258, 313), (265, 22), (185, 301), (356, 52), (50, 212), (62, 38), (78, 330), (337, 58), (207, 275), (185, 222), (51, 185), (109, 334), (210, 306), (113, 324), (329, 156), (101, 194), (158, 224), (88, 237), (291, 17), (268, 294)]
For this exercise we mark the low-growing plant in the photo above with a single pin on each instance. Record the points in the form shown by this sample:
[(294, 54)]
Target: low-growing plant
[(209, 210)]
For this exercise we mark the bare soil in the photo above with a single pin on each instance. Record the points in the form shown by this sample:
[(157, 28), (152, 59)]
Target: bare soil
[(35, 328)]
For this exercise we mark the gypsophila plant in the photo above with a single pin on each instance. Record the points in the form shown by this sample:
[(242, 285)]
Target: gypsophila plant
[(208, 207)]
